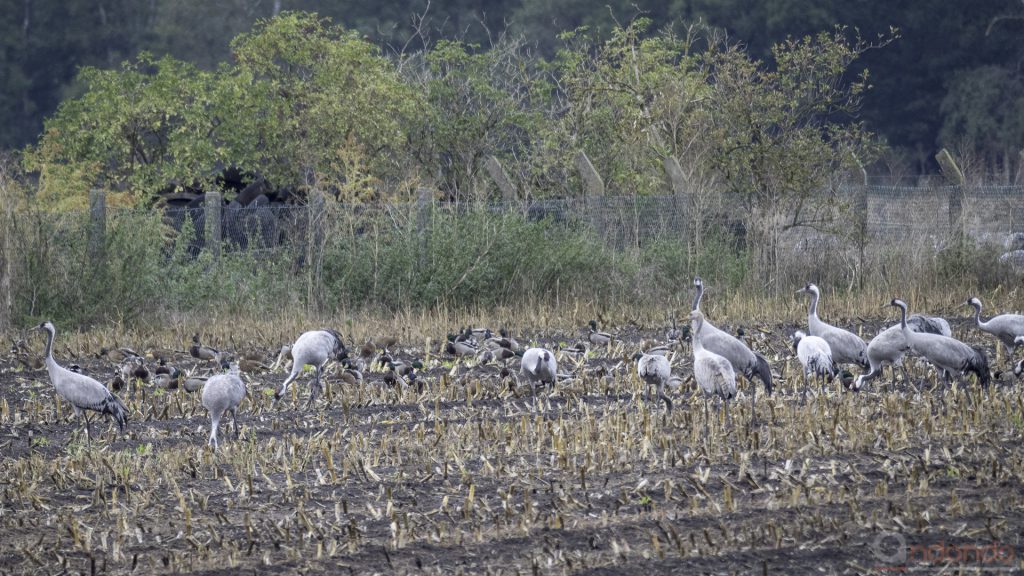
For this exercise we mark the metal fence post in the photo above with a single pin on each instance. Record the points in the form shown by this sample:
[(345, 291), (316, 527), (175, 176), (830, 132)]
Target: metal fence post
[(97, 224), (214, 209)]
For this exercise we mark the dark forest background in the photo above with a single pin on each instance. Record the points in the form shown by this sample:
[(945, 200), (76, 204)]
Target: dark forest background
[(953, 79)]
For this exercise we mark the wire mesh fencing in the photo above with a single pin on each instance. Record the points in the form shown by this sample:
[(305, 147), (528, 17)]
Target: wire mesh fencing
[(426, 250)]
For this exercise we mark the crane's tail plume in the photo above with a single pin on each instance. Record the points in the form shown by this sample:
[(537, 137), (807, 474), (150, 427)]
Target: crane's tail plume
[(979, 365), (764, 373), (113, 406)]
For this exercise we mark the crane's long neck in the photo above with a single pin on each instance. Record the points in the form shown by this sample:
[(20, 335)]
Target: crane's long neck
[(977, 315), (695, 336), (50, 362), (909, 335), (812, 312), (698, 296)]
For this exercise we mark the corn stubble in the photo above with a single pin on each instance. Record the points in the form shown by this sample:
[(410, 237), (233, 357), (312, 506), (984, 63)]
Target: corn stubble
[(470, 476)]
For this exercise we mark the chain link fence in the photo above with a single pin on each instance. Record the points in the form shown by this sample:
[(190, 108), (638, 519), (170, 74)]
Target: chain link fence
[(428, 250)]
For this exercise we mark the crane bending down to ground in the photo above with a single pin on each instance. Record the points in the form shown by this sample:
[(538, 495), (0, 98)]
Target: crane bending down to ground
[(82, 392), (313, 348)]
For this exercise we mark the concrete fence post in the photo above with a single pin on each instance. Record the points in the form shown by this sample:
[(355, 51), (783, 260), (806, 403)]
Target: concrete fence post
[(674, 171), (500, 177), (214, 209), (954, 176), (97, 224), (593, 185)]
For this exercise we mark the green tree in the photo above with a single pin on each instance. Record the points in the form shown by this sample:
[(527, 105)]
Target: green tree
[(317, 104), (788, 133), (481, 103), (305, 103), (138, 128)]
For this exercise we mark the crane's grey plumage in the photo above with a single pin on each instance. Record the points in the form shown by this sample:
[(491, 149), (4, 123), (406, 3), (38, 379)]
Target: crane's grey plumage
[(743, 359), (889, 346), (1005, 327), (655, 371), (82, 392), (539, 365), (714, 373), (223, 393), (847, 347), (815, 356), (945, 353), (313, 348)]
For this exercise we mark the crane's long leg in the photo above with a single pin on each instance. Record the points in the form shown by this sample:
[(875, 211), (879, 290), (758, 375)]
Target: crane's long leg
[(803, 395), (316, 387), (234, 420), (753, 398), (705, 416), (214, 424), (88, 434)]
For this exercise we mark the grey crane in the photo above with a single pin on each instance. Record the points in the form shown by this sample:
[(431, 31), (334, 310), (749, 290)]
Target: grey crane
[(655, 371), (889, 346), (714, 373), (313, 348), (743, 359), (539, 365), (815, 356), (847, 347), (223, 393), (82, 392), (945, 353), (1005, 327)]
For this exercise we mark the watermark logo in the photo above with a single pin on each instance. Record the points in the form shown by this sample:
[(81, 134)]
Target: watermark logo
[(895, 554)]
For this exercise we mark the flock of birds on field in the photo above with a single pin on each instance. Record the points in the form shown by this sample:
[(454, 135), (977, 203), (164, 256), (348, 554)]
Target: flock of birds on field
[(718, 357)]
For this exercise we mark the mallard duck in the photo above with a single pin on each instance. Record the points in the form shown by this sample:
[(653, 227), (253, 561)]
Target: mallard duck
[(201, 352), (598, 338)]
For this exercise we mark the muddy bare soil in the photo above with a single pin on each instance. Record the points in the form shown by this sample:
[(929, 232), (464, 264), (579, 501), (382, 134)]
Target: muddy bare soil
[(470, 475)]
